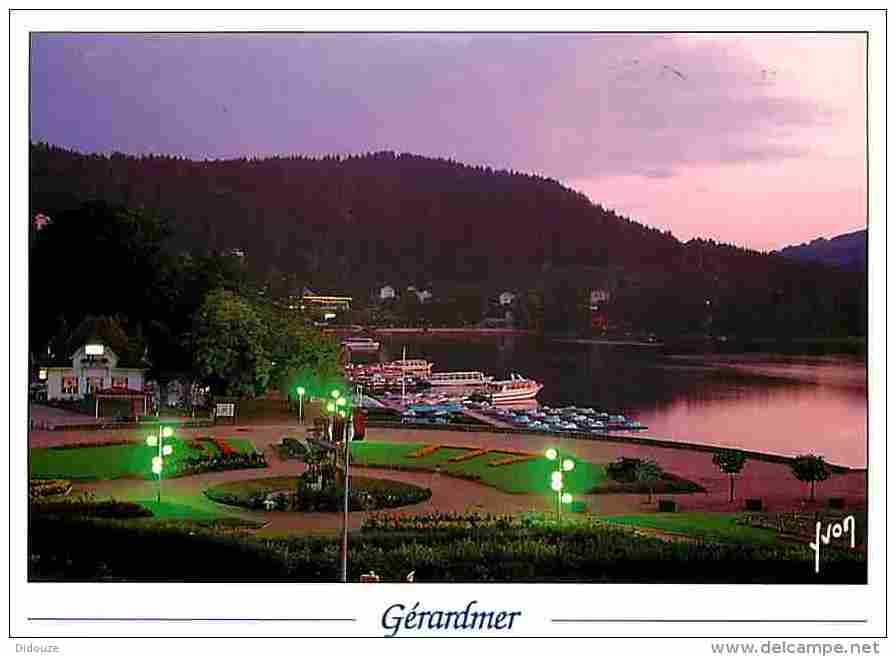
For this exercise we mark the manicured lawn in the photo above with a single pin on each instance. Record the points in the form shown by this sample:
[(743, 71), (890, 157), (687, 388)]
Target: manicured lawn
[(120, 461), (533, 476), (174, 511), (720, 527)]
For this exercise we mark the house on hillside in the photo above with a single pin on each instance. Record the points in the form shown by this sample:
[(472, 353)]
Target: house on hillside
[(506, 298), (598, 296), (422, 295), (387, 293)]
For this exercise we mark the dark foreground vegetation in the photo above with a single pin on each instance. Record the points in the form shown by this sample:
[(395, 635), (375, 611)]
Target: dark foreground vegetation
[(72, 549)]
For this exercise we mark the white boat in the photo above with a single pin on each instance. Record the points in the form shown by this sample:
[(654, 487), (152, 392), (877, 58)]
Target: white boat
[(515, 389), (416, 367), (458, 379), (361, 344)]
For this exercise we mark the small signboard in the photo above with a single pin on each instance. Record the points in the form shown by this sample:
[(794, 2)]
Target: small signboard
[(225, 409)]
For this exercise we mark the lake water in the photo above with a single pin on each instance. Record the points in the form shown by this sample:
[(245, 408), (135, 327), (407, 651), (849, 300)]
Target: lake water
[(764, 402)]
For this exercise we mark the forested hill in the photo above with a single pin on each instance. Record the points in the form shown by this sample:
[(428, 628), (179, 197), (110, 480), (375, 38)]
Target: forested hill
[(353, 223), (846, 251)]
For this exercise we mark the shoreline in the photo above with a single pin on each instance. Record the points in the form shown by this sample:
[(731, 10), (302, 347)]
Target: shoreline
[(487, 332)]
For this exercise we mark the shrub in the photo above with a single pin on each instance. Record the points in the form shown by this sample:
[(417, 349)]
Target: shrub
[(291, 448), (753, 504), (87, 506), (85, 550), (624, 469)]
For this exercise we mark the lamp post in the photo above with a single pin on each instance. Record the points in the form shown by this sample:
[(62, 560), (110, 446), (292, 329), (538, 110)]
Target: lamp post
[(563, 465), (158, 461), (301, 392), (347, 436)]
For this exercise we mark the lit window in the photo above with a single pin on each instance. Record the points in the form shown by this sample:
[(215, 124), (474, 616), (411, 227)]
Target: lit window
[(69, 385), (94, 350)]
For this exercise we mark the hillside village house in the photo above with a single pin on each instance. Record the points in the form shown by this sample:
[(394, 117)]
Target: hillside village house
[(599, 296), (422, 295), (387, 292), (95, 372), (506, 298)]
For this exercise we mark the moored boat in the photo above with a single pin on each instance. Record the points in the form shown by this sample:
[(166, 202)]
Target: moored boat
[(515, 389), (458, 379), (415, 366), (361, 344)]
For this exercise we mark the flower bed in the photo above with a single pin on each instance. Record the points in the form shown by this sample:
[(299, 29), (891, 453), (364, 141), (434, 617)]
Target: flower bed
[(223, 446), (106, 443), (38, 488), (424, 451), (472, 454), (436, 521), (512, 460), (300, 494)]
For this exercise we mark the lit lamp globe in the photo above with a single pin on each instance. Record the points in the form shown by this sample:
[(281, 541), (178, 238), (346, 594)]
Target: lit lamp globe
[(566, 498), (341, 413), (335, 394), (331, 407), (167, 432), (341, 401), (568, 464), (156, 468), (556, 476), (300, 391), (551, 454), (557, 485), (152, 441), (167, 450)]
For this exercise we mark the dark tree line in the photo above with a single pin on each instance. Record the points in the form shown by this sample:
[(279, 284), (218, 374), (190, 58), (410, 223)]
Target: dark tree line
[(350, 224)]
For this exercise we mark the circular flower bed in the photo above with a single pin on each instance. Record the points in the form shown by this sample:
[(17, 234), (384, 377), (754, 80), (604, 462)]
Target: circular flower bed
[(299, 494)]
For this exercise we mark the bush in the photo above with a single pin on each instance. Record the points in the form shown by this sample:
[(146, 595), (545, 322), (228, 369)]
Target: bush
[(86, 550), (87, 506), (291, 448), (753, 504), (233, 461)]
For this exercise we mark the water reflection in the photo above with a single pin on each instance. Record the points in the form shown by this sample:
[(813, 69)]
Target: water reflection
[(765, 402)]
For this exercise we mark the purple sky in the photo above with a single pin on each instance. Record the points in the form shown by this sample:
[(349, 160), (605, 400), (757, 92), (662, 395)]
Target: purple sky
[(757, 140)]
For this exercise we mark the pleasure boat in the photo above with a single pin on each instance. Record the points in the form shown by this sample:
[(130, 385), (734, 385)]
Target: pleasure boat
[(515, 389), (458, 379), (415, 367), (361, 344)]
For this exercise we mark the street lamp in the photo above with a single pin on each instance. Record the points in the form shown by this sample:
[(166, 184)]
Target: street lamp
[(563, 465), (301, 392), (347, 436), (331, 409), (158, 460)]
